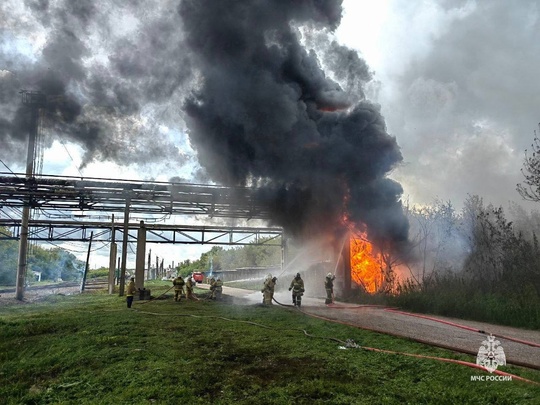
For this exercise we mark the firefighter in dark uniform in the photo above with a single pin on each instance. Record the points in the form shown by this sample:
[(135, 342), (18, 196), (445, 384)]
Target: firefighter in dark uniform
[(178, 283), (297, 287), (329, 287)]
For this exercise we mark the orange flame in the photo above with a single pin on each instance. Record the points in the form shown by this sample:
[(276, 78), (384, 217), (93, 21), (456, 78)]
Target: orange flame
[(365, 265)]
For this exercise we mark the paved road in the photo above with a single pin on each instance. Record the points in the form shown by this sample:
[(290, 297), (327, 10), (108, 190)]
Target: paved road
[(439, 331)]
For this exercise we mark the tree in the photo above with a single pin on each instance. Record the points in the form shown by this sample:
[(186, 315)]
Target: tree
[(530, 189), (437, 241), (228, 259), (53, 264), (8, 259)]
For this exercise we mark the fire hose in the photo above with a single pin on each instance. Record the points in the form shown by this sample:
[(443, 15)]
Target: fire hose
[(349, 344), (155, 298), (457, 325), (442, 359)]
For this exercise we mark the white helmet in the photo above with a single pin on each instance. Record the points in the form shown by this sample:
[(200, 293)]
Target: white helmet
[(329, 275)]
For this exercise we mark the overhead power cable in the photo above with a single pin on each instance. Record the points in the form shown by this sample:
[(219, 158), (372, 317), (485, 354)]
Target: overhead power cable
[(71, 157), (7, 167)]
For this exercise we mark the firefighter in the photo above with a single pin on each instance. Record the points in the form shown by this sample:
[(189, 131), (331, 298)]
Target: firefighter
[(190, 284), (178, 283), (268, 289), (297, 287), (219, 288), (329, 286), (212, 295), (130, 292)]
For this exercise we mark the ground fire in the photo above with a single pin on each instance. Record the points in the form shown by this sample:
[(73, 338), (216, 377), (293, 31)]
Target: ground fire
[(366, 265)]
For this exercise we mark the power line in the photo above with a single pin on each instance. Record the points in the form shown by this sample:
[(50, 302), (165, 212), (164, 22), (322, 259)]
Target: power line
[(105, 244), (71, 157), (7, 167), (7, 214)]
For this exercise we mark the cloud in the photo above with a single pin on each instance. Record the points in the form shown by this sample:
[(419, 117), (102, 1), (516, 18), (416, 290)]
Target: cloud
[(267, 97), (464, 105)]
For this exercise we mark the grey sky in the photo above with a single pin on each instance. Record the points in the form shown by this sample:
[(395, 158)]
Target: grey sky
[(459, 89)]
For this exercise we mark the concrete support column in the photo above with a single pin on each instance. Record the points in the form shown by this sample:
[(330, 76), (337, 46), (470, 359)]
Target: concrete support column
[(284, 252), (23, 242), (124, 249), (112, 266), (141, 256), (112, 258)]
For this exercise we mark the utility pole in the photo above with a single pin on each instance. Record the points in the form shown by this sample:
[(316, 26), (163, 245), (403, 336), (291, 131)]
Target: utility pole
[(150, 275), (112, 258), (124, 248), (33, 100), (87, 262)]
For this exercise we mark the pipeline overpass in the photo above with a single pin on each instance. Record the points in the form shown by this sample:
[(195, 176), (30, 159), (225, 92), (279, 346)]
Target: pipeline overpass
[(80, 231), (95, 194), (53, 195)]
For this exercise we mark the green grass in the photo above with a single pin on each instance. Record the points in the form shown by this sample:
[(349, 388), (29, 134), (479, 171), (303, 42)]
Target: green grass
[(451, 297), (90, 349)]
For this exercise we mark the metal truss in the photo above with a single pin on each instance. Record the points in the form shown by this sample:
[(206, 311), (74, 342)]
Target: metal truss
[(75, 194), (44, 230)]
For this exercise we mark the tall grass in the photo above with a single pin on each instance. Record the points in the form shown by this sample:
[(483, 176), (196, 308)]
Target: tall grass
[(450, 295), (90, 349)]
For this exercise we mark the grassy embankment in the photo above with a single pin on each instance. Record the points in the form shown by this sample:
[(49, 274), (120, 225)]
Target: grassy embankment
[(451, 296), (90, 349)]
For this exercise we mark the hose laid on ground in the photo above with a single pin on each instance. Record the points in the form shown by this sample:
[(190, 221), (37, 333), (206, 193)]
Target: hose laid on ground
[(346, 344), (284, 305), (334, 306), (457, 325), (155, 298), (443, 346)]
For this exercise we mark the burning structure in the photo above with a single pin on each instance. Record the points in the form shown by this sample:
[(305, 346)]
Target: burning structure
[(267, 114)]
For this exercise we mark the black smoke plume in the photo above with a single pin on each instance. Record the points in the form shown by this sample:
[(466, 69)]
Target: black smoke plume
[(110, 71), (268, 99), (266, 114)]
